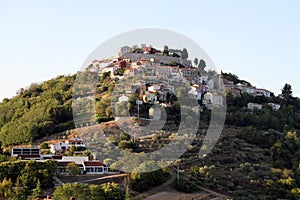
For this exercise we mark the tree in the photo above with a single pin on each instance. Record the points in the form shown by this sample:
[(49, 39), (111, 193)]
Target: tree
[(166, 50), (146, 176), (44, 145), (81, 191), (202, 65), (73, 169), (125, 136), (184, 53), (286, 92), (113, 191), (6, 188), (72, 150), (196, 61), (18, 191), (37, 192)]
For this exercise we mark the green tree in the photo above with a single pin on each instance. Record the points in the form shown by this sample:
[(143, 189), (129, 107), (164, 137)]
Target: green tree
[(6, 188), (196, 61), (202, 65), (81, 191), (18, 192), (113, 191), (44, 145), (125, 136), (286, 92), (72, 150), (73, 169), (184, 53), (166, 50), (146, 176), (37, 192)]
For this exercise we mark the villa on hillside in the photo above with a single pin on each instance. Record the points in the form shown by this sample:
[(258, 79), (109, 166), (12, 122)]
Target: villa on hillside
[(85, 164), (63, 146)]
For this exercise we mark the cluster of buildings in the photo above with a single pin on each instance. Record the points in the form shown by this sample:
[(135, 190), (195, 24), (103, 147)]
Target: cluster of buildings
[(85, 164), (147, 50), (257, 106), (157, 76), (238, 89), (153, 67)]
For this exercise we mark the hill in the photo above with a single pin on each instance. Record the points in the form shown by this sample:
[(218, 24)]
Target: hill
[(257, 156)]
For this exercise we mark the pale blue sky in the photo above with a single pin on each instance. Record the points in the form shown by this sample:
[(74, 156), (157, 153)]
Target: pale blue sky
[(257, 40)]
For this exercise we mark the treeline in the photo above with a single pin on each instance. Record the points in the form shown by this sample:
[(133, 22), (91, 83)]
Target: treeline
[(266, 118), (25, 180), (35, 112), (46, 108), (84, 191)]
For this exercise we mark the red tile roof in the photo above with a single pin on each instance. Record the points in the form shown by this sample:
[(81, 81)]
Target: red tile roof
[(93, 163)]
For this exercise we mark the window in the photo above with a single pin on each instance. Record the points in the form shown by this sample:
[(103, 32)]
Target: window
[(98, 169)]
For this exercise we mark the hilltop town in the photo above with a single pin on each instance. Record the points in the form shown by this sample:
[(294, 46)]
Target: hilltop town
[(162, 71), (77, 133)]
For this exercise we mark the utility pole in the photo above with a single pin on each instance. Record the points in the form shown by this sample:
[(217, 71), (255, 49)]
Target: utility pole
[(138, 110), (139, 102), (178, 172)]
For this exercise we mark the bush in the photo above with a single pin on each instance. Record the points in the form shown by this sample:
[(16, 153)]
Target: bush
[(44, 145), (185, 186), (113, 191), (143, 181)]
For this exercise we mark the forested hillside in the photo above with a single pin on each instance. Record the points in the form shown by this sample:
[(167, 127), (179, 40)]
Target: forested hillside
[(46, 108), (37, 111)]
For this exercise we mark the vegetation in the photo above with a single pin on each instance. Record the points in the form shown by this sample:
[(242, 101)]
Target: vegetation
[(38, 111), (73, 169), (29, 177), (83, 191), (259, 158), (141, 180)]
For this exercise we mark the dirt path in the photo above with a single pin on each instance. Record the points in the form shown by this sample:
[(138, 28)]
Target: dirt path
[(157, 189), (103, 178), (163, 192)]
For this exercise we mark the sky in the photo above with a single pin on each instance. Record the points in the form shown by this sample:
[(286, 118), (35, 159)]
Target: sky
[(257, 40)]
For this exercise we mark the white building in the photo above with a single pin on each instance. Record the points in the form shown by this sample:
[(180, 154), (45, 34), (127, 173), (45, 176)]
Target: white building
[(211, 84), (149, 97), (203, 79), (124, 49), (195, 93), (77, 159), (63, 146), (154, 88), (253, 106), (16, 152), (58, 147), (77, 142), (264, 92), (84, 164), (213, 99), (275, 106), (155, 113), (123, 98), (111, 69)]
